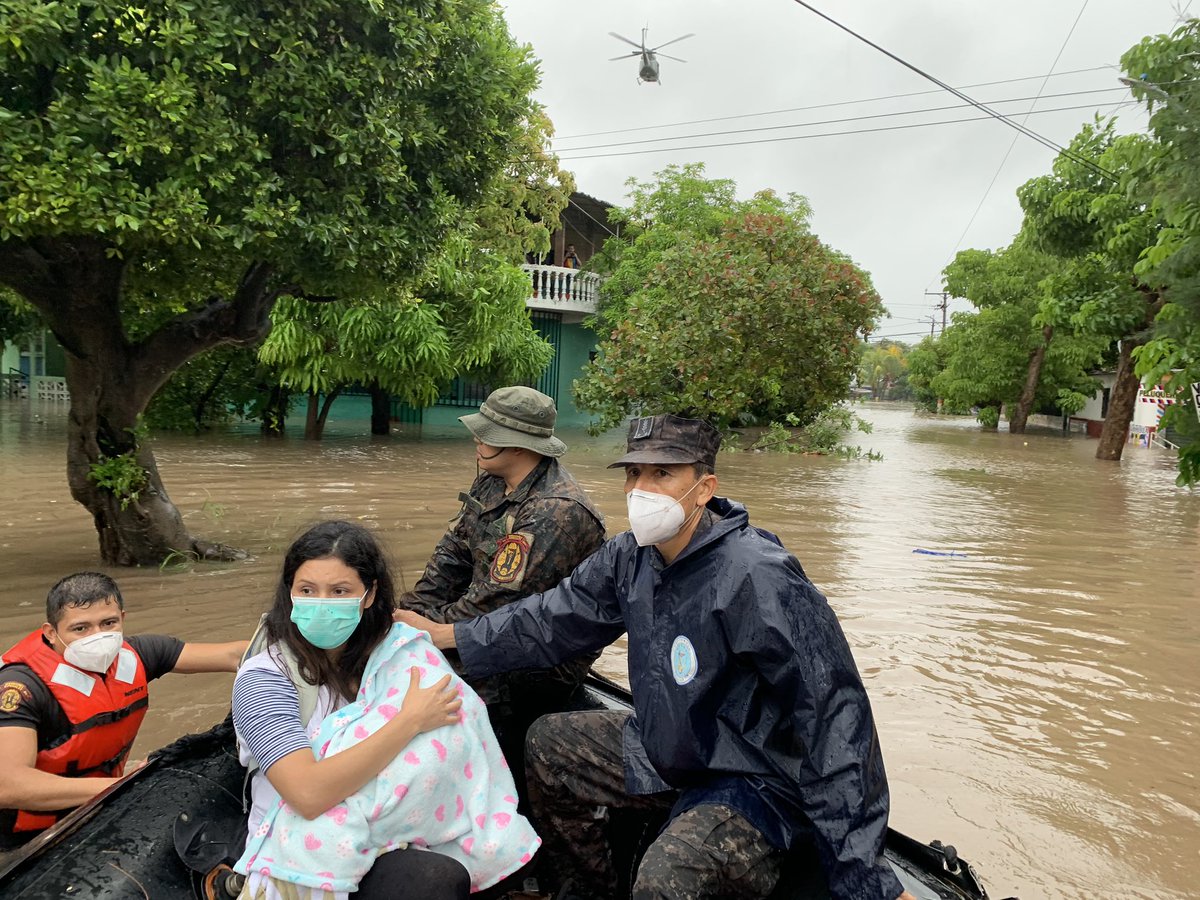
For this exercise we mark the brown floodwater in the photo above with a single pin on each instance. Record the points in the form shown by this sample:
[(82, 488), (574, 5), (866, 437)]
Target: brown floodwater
[(1037, 697)]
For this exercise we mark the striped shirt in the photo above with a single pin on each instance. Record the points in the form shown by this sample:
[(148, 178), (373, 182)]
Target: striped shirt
[(266, 714)]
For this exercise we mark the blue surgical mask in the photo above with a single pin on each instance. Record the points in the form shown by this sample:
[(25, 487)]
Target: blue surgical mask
[(327, 622)]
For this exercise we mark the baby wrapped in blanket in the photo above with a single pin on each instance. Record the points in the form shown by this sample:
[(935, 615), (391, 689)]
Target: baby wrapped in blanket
[(449, 791)]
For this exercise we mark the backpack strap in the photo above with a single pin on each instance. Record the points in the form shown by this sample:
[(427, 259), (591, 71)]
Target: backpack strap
[(308, 693), (258, 641)]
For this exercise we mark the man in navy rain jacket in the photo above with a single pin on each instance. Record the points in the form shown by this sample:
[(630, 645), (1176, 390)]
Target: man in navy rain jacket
[(750, 725)]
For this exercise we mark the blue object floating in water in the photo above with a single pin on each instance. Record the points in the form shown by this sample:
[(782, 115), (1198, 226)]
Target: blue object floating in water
[(940, 552)]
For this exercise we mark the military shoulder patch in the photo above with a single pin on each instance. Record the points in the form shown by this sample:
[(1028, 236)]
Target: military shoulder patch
[(512, 556), (13, 694)]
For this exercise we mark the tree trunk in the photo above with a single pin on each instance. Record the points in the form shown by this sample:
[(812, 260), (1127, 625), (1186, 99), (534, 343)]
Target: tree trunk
[(1121, 403), (318, 412), (76, 283), (311, 430), (1020, 414), (381, 411), (201, 404), (141, 527)]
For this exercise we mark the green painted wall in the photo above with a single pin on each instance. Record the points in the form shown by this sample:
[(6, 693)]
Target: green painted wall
[(576, 342), (55, 363), (10, 358)]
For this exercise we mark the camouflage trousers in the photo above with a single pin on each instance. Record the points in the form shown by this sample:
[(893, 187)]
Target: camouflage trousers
[(577, 777)]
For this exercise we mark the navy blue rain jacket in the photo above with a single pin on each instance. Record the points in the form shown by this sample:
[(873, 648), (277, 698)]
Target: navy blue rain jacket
[(744, 689)]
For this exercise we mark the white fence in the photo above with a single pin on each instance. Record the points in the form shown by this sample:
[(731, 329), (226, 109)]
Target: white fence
[(46, 387), (554, 287)]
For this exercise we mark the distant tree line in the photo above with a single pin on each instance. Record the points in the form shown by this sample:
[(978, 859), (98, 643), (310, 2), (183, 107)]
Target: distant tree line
[(1103, 275)]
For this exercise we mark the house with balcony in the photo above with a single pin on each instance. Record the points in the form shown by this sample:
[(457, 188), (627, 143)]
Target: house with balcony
[(560, 298)]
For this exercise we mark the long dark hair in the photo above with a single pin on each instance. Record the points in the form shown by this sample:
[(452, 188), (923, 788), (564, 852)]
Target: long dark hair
[(357, 548)]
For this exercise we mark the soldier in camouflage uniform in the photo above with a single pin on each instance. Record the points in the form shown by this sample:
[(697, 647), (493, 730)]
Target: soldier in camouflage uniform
[(524, 525), (709, 850), (751, 730)]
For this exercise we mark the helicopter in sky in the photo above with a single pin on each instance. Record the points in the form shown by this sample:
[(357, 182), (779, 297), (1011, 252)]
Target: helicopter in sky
[(648, 70)]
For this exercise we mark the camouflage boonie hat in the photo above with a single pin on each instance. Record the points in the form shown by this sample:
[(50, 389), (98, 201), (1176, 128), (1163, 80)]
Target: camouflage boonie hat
[(517, 417), (670, 439)]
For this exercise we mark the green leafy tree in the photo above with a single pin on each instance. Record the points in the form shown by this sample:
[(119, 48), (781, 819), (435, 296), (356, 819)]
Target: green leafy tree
[(474, 322), (168, 172), (1084, 214), (215, 388), (984, 356), (1169, 180), (925, 362), (18, 320), (1007, 355), (681, 203), (750, 323), (883, 367), (465, 314)]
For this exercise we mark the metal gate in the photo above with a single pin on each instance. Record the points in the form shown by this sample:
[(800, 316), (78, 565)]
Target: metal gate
[(549, 326)]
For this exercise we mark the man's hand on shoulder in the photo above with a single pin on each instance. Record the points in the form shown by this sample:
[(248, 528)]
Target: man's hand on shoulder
[(441, 635)]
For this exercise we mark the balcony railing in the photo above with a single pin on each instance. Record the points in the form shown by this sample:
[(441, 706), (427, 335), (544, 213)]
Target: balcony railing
[(554, 287)]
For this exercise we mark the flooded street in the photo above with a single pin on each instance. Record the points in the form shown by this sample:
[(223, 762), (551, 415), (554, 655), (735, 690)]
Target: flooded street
[(1037, 696)]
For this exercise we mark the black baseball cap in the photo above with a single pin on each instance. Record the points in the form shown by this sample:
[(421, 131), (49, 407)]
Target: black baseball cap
[(670, 439)]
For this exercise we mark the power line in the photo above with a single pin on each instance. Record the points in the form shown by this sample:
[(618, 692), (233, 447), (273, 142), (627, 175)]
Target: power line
[(876, 338), (775, 112), (860, 118), (1028, 132), (1007, 153), (805, 137), (590, 216)]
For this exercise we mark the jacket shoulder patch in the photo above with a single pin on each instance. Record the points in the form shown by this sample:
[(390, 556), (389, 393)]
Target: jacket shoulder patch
[(13, 694), (511, 559)]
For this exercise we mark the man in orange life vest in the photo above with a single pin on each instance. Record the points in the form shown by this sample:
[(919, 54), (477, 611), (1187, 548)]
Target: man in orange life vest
[(72, 695)]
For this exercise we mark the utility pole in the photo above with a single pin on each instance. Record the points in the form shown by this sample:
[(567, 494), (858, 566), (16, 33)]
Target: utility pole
[(932, 324), (943, 306), (945, 295)]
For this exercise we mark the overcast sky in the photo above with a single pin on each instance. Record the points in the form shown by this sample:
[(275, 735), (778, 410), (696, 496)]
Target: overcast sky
[(897, 201)]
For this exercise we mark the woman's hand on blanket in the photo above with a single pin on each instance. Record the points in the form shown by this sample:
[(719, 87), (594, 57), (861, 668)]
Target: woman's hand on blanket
[(311, 786), (427, 709)]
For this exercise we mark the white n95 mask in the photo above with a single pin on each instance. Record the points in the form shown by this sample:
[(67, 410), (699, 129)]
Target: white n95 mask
[(654, 518), (95, 652)]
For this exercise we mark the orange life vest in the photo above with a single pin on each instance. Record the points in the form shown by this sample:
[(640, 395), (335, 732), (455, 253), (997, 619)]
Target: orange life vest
[(105, 714)]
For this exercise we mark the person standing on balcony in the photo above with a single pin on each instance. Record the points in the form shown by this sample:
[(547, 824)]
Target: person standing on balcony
[(524, 525), (570, 261)]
